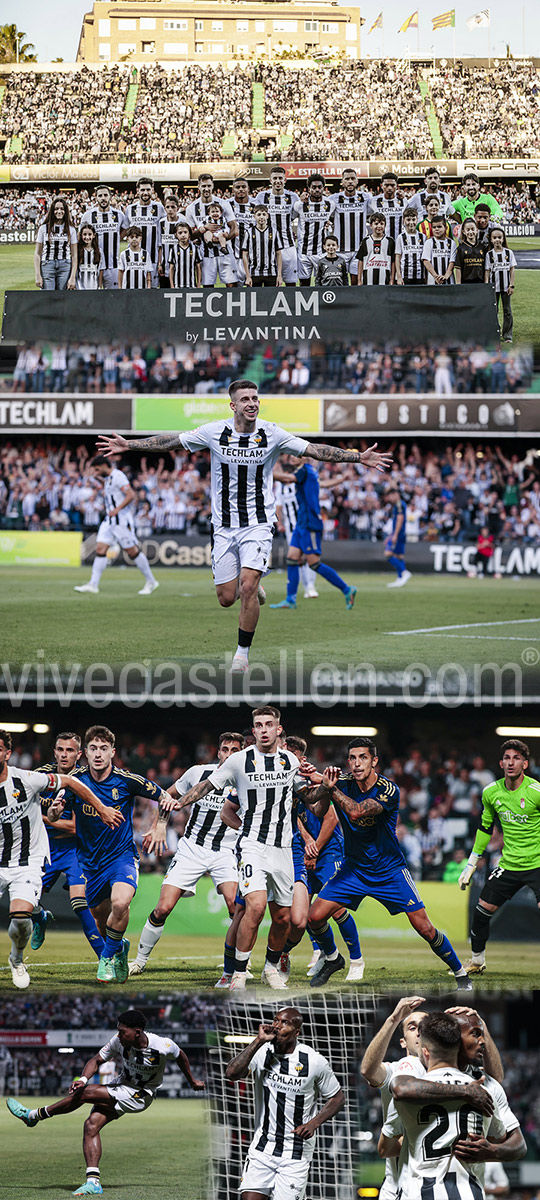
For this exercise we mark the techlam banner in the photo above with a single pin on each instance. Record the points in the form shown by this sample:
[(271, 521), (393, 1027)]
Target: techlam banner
[(392, 415), (255, 317), (65, 412)]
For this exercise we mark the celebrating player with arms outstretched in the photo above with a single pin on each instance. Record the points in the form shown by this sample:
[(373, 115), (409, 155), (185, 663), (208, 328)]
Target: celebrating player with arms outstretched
[(515, 801), (243, 453), (142, 1059), (374, 864), (289, 1079)]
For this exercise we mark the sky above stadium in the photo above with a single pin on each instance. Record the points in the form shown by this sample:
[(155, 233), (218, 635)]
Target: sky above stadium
[(54, 28)]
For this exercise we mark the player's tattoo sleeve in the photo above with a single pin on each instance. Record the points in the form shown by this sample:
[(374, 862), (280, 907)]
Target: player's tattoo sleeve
[(159, 441), (238, 1068), (196, 793), (332, 453), (353, 810)]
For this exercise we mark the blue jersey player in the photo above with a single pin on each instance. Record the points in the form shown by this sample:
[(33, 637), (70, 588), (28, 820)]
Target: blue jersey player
[(394, 549), (63, 852), (110, 861), (305, 544), (374, 864)]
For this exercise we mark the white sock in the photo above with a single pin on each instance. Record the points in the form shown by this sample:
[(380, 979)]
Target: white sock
[(307, 577), (479, 957), (142, 563), (459, 974), (98, 566), (149, 938), (20, 932), (243, 651)]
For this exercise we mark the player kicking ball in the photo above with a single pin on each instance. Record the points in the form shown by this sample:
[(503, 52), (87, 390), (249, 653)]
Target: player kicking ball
[(117, 528), (243, 453), (142, 1058), (515, 801), (290, 1078)]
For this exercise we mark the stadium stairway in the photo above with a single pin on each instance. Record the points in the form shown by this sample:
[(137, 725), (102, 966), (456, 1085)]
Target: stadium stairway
[(2, 94), (258, 111), (228, 145), (431, 117), (131, 101)]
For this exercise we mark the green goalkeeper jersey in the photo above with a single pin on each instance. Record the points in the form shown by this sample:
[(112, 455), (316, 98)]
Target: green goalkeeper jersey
[(519, 815)]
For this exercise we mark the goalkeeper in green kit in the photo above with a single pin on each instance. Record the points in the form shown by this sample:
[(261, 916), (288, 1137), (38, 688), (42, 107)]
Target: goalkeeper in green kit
[(515, 801)]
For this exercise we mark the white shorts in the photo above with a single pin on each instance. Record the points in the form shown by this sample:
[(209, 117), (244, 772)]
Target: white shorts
[(225, 264), (22, 883), (233, 549), (130, 1100), (122, 534), (307, 265), (191, 862), (283, 1179), (110, 277), (289, 264), (267, 869), (350, 260), (240, 271)]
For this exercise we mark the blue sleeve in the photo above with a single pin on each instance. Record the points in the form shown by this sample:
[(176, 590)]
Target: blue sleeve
[(139, 786), (387, 794), (301, 474)]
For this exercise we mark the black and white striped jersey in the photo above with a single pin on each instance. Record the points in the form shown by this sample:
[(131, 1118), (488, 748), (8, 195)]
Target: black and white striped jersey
[(108, 226), (285, 494), (289, 1089), (114, 494), (57, 245), (408, 1065), (440, 252), (261, 246), (420, 198), (140, 1068), (499, 263), (313, 218), (376, 258), (147, 217), (23, 836), (411, 248), (265, 784), (167, 241), (197, 212), (241, 469), (88, 270), (281, 213), (243, 214), (204, 826), (185, 264), (135, 264), (431, 1131), (392, 210), (350, 219)]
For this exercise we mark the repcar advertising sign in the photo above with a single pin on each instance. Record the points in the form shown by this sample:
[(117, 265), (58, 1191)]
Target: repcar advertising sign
[(252, 317)]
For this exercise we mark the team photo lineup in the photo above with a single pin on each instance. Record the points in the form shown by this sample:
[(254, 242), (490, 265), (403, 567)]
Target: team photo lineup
[(269, 560)]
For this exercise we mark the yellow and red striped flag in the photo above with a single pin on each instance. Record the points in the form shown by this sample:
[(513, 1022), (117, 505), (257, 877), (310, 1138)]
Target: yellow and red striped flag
[(410, 23), (445, 20), (377, 24)]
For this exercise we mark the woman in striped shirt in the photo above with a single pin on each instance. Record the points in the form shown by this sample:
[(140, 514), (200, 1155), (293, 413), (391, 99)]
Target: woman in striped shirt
[(90, 260), (55, 258)]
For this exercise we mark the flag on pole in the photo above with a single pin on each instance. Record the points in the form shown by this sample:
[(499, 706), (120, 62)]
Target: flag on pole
[(444, 20), (479, 18), (410, 23), (377, 24)]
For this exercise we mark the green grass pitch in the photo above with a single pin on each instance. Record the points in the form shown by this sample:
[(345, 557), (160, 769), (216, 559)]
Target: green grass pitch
[(43, 619), (163, 1152), (18, 275)]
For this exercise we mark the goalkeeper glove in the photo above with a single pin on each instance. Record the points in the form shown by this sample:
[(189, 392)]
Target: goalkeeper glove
[(467, 874)]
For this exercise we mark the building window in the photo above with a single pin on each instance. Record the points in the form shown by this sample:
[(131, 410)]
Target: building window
[(149, 47), (199, 47), (216, 48), (127, 48), (217, 26), (104, 50), (311, 26), (285, 26), (199, 26), (242, 26), (350, 33), (260, 26), (104, 28), (148, 22), (330, 27), (175, 24), (351, 52), (175, 48), (125, 23), (243, 50)]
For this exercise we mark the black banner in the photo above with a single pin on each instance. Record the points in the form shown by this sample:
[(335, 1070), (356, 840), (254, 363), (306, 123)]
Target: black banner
[(50, 413), (251, 316), (426, 414)]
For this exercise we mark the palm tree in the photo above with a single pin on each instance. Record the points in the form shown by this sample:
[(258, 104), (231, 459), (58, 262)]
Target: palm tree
[(13, 47)]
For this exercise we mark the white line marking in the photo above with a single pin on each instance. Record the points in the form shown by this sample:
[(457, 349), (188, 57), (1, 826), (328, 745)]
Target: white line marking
[(468, 625), (209, 958), (484, 637)]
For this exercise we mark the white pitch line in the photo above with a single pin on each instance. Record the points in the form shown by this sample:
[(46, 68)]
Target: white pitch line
[(467, 625), (484, 637), (209, 958)]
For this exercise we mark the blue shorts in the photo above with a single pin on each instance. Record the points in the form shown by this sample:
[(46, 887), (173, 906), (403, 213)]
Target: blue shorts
[(63, 862), (99, 884), (349, 887), (240, 899), (307, 540), (399, 547), (325, 869)]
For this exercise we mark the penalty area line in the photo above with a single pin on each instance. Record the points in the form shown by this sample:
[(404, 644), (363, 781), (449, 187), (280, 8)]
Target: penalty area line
[(466, 625)]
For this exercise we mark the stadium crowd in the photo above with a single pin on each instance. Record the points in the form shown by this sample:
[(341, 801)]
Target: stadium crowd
[(440, 791), (184, 113), (451, 492), (288, 369)]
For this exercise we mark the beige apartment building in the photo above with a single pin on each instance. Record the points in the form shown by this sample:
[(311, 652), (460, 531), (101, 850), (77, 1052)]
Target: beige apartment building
[(162, 31)]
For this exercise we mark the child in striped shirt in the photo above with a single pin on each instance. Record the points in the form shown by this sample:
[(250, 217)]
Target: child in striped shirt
[(90, 260), (185, 262), (500, 270)]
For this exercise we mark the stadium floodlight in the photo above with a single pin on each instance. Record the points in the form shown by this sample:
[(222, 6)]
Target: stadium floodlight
[(233, 1038), (518, 731), (66, 1050), (15, 726), (41, 728), (344, 730)]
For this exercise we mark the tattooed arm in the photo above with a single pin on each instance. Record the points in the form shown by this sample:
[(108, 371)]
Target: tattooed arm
[(368, 458), (318, 799), (116, 444)]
